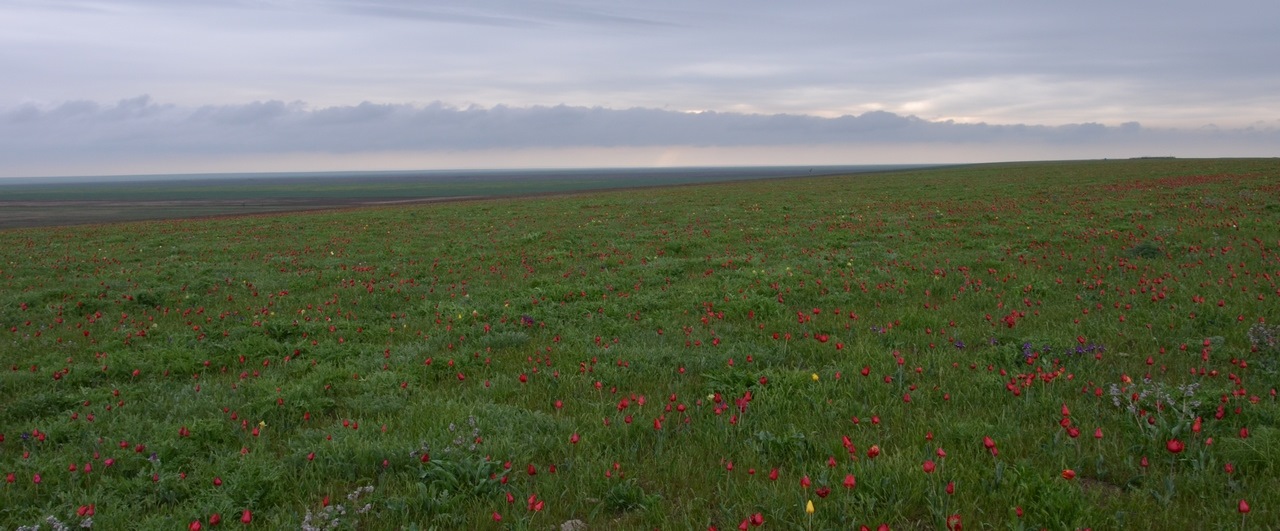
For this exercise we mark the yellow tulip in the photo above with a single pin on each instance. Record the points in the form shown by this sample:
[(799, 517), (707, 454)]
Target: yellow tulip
[(808, 507), (815, 376)]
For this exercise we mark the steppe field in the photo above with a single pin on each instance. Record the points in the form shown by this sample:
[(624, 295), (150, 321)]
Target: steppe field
[(1060, 345)]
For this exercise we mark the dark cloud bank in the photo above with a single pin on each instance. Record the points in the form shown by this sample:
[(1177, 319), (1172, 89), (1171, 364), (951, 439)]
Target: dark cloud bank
[(141, 127)]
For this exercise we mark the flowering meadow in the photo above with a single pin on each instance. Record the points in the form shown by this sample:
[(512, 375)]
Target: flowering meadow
[(1014, 346)]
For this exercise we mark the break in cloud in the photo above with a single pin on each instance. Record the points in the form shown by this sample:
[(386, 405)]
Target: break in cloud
[(85, 134)]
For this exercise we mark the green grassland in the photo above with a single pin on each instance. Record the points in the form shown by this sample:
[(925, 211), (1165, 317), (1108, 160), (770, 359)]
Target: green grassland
[(1010, 346), (66, 201)]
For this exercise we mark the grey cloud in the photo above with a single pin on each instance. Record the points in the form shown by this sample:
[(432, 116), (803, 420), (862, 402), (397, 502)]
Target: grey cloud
[(252, 113), (135, 108), (25, 113), (142, 128), (364, 113), (499, 13), (434, 13), (60, 5), (1181, 63), (131, 109)]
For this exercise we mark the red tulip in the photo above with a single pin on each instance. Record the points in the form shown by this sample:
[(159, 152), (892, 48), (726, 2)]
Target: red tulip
[(573, 439), (850, 481), (1068, 474), (1174, 446), (195, 526), (215, 519), (497, 517), (757, 519), (773, 475), (217, 482), (804, 482), (928, 466), (1243, 507), (246, 517)]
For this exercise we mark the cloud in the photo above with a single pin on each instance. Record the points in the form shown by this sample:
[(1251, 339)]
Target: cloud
[(495, 13), (1184, 64), (140, 128)]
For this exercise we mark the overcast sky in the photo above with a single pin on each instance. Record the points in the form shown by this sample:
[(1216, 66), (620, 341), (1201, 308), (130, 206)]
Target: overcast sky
[(158, 86)]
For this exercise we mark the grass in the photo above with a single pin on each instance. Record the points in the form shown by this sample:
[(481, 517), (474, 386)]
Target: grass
[(669, 353), (35, 203)]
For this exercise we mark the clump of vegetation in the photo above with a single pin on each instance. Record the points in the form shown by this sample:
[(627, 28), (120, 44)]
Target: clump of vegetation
[(1264, 338), (627, 496), (1145, 249)]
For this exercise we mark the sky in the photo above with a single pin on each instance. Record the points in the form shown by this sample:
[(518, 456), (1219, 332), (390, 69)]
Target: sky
[(93, 87)]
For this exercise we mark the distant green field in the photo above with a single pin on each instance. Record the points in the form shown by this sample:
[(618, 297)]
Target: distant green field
[(392, 185), (112, 199), (1012, 346)]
